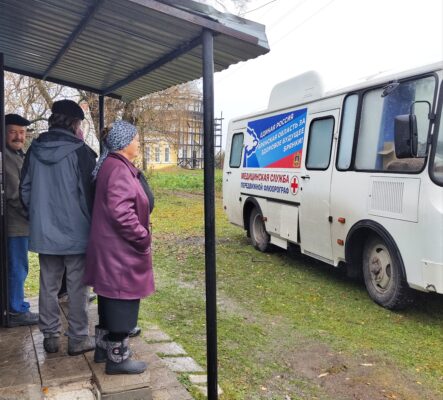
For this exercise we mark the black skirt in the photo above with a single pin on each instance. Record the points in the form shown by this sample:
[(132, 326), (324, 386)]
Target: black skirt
[(117, 316)]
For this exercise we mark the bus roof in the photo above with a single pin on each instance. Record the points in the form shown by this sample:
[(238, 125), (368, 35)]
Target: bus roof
[(308, 87)]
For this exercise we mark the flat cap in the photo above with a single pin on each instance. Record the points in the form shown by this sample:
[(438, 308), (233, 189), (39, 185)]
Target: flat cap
[(15, 119), (69, 108)]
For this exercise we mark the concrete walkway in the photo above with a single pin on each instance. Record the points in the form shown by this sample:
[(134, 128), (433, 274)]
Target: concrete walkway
[(27, 372)]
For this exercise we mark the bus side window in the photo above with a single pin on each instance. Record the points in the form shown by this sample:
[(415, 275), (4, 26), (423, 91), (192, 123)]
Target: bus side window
[(320, 143), (236, 150), (347, 132)]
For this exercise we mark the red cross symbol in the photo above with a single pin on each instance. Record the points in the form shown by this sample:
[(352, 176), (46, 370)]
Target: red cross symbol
[(294, 185)]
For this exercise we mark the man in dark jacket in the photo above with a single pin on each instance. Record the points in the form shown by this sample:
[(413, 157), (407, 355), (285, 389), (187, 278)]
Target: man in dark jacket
[(18, 230), (56, 189)]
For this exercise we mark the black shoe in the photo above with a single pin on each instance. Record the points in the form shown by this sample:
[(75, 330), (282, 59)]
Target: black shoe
[(135, 332), (127, 367), (80, 346), (63, 297), (22, 319), (50, 344), (92, 297), (62, 294)]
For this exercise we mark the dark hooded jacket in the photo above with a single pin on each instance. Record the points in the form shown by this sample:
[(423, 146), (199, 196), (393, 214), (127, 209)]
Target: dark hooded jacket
[(56, 189)]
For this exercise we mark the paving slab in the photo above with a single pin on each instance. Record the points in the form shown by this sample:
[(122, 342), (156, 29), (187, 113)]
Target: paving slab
[(182, 364), (198, 379), (179, 393), (71, 391), (22, 392), (59, 376), (18, 374), (140, 347), (204, 390), (156, 335), (136, 394), (163, 378), (58, 371), (17, 348), (169, 349), (17, 354), (109, 384)]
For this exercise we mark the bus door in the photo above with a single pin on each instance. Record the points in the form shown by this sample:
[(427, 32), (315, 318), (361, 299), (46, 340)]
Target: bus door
[(315, 225), (231, 178)]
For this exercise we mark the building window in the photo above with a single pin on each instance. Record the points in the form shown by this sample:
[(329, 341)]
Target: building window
[(148, 154), (167, 152), (157, 154)]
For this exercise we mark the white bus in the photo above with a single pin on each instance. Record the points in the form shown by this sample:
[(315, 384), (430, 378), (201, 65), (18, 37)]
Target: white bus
[(353, 176)]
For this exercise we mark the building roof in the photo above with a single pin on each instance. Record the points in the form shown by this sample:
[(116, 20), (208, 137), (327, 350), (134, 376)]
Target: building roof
[(121, 48)]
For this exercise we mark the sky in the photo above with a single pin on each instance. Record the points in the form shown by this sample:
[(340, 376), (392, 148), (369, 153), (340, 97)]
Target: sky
[(345, 41)]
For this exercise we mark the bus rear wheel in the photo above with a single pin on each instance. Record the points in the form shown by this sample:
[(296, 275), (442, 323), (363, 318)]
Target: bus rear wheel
[(383, 275), (257, 230)]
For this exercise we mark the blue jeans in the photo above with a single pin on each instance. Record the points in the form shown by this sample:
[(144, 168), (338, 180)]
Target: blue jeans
[(18, 271)]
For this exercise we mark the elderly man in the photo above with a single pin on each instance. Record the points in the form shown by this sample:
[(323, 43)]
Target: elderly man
[(18, 231), (56, 189)]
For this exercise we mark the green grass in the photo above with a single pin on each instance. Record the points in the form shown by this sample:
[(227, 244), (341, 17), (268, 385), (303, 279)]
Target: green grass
[(273, 299), (271, 305), (179, 179)]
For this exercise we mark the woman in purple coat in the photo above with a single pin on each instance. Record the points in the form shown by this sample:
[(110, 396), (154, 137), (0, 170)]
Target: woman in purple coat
[(118, 258)]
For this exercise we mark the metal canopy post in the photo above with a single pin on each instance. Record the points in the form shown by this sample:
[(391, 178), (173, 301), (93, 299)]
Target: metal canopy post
[(101, 114), (101, 118), (210, 260), (3, 237)]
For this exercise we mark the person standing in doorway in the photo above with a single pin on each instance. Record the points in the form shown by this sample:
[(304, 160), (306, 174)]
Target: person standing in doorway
[(118, 258), (56, 189), (18, 230)]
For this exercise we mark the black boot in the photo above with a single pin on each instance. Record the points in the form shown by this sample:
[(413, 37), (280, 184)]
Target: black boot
[(100, 353), (119, 362)]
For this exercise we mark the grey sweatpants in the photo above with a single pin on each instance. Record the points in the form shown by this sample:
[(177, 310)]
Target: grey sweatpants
[(52, 268)]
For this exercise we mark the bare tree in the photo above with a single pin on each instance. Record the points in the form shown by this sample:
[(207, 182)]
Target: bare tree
[(160, 117), (32, 98)]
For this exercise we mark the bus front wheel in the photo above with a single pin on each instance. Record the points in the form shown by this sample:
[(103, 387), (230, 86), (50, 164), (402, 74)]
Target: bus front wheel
[(383, 275), (257, 230)]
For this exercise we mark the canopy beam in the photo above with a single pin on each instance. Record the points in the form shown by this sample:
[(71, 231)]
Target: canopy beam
[(183, 49), (90, 13)]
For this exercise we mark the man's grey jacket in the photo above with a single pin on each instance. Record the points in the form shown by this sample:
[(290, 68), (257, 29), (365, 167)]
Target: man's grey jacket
[(56, 189)]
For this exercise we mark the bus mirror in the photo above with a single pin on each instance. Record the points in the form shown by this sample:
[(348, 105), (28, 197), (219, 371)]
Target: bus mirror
[(405, 136)]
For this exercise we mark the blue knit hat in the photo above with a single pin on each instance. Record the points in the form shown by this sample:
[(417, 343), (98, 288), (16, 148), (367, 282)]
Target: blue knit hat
[(120, 136)]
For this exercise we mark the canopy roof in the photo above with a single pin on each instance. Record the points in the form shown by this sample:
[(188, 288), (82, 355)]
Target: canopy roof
[(121, 48)]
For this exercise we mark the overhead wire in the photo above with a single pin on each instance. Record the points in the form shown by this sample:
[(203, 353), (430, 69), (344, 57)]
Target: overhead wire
[(258, 8), (286, 34)]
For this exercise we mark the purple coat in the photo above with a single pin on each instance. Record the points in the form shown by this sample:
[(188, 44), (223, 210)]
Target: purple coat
[(118, 258)]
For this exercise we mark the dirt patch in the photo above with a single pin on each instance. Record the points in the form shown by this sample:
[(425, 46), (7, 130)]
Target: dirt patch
[(307, 368), (315, 371)]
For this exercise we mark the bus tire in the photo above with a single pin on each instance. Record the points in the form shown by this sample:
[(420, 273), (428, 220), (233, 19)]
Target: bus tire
[(383, 275), (259, 237)]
